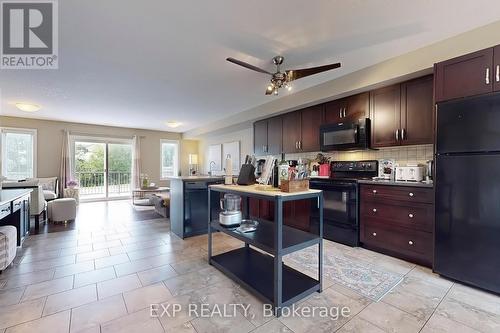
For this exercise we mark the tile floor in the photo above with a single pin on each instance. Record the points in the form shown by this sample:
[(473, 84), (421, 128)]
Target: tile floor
[(103, 275)]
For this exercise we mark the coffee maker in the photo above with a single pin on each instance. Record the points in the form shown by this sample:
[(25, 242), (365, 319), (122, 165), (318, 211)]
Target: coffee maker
[(231, 210)]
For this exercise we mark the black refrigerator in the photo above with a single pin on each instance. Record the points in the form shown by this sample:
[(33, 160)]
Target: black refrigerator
[(467, 181)]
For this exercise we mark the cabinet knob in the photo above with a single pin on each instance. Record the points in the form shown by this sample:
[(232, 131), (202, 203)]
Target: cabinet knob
[(410, 242), (410, 215), (374, 234), (374, 191), (411, 194), (374, 210)]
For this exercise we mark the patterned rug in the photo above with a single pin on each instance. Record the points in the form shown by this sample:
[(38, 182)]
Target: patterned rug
[(360, 276)]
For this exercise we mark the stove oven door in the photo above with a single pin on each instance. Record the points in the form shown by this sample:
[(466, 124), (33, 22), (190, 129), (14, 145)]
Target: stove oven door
[(340, 211)]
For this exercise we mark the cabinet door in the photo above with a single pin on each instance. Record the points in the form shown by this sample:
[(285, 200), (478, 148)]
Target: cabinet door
[(417, 116), (496, 67), (385, 105), (358, 106), (311, 119), (274, 135), (260, 137), (291, 132), (334, 111), (468, 75)]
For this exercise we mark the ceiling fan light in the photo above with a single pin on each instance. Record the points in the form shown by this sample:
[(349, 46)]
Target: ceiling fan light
[(289, 88), (276, 92)]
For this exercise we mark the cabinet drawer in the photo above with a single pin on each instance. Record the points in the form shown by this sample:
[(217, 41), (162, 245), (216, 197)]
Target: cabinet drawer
[(5, 210), (400, 193), (17, 205), (408, 243), (416, 216)]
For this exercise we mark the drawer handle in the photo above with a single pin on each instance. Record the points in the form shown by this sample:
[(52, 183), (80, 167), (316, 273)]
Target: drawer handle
[(410, 215), (374, 210), (374, 234), (6, 210), (374, 191), (410, 242), (411, 194)]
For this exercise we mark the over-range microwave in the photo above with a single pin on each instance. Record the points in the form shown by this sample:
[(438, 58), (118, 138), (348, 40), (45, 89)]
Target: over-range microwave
[(349, 135)]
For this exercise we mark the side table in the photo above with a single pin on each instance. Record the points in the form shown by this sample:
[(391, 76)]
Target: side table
[(72, 193)]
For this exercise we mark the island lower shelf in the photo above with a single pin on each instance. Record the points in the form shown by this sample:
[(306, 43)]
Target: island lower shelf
[(264, 237), (255, 270)]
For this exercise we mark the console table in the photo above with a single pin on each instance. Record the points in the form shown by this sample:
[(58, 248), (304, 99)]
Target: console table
[(15, 211), (264, 274)]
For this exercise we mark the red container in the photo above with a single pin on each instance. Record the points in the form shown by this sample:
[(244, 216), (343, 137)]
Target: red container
[(324, 170)]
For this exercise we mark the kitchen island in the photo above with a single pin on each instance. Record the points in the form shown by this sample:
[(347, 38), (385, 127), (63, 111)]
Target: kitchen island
[(14, 210), (263, 272), (189, 204)]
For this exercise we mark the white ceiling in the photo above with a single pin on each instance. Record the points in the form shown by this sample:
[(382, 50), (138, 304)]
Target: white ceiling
[(142, 63)]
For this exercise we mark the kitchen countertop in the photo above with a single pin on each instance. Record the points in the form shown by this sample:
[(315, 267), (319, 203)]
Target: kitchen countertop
[(8, 195), (256, 189), (195, 178), (394, 183)]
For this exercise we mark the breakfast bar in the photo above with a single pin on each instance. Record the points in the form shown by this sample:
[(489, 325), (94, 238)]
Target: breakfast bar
[(263, 272)]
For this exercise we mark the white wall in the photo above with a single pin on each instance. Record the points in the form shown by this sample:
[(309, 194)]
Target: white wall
[(244, 135)]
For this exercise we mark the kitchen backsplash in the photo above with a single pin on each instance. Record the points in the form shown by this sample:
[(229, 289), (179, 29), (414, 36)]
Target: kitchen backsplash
[(402, 155)]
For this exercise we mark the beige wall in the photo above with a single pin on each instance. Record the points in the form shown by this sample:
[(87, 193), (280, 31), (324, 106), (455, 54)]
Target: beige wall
[(413, 64), (50, 134)]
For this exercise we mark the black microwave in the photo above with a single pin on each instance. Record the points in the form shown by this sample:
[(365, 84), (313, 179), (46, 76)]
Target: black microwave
[(349, 135)]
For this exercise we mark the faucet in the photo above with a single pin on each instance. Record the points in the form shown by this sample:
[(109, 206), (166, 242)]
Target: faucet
[(210, 168)]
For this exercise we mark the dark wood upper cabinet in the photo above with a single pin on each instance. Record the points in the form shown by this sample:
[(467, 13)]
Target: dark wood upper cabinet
[(334, 111), (311, 119), (291, 132), (358, 106), (496, 68), (274, 136), (260, 137), (267, 136), (385, 111), (468, 75), (417, 112)]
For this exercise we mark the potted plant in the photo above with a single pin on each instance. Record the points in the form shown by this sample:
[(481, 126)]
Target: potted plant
[(72, 184)]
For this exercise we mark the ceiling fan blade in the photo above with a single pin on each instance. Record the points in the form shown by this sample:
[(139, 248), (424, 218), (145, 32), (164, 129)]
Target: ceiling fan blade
[(247, 65), (300, 73)]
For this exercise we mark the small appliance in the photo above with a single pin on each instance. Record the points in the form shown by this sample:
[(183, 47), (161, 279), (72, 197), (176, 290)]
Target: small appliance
[(231, 210), (410, 173), (352, 135)]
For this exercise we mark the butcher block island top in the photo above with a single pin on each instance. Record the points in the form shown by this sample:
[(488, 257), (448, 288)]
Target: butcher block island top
[(258, 266), (263, 191)]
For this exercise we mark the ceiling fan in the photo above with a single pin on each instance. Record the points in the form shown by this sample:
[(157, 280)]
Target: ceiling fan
[(282, 79)]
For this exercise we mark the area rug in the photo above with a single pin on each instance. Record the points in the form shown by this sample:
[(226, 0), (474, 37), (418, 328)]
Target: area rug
[(360, 276)]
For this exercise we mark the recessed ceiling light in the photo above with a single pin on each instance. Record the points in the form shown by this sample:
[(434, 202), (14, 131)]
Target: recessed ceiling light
[(173, 124), (26, 107)]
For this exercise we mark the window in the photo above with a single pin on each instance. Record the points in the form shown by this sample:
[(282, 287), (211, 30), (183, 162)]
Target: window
[(18, 151), (169, 158)]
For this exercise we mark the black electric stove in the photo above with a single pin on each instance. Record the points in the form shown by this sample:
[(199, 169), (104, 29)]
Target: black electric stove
[(341, 200)]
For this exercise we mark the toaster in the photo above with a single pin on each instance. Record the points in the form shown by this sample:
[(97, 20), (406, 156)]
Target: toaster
[(410, 173)]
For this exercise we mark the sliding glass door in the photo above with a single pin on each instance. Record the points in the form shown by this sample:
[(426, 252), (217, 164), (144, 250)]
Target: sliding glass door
[(102, 168)]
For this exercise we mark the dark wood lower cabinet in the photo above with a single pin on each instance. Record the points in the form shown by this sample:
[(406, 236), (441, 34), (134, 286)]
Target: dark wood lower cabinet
[(295, 213), (398, 221)]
